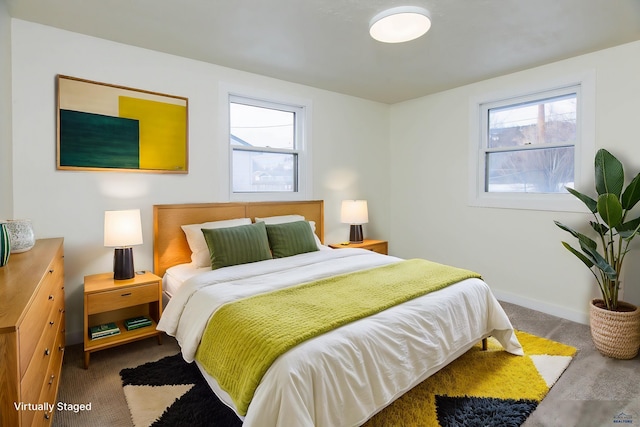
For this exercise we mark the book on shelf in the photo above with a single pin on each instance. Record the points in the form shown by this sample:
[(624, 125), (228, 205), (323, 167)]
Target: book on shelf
[(138, 326), (139, 319), (137, 322), (104, 330), (104, 335)]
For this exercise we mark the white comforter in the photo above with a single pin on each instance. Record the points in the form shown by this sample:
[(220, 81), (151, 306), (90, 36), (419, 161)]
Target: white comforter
[(344, 377)]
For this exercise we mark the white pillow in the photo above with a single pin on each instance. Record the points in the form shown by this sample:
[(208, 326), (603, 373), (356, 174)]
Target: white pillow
[(199, 249), (283, 219)]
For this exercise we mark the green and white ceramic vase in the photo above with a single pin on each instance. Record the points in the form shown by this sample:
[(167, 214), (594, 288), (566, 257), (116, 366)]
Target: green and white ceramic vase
[(5, 244)]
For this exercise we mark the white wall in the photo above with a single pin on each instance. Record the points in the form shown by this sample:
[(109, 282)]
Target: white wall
[(409, 160), (518, 252), (6, 198), (349, 137)]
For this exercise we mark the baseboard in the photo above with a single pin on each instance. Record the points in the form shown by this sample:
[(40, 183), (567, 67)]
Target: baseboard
[(554, 310)]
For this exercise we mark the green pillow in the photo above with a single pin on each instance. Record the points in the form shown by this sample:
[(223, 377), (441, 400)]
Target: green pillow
[(291, 238), (237, 245)]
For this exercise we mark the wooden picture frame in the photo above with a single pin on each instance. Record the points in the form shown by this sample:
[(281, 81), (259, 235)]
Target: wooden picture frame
[(105, 127)]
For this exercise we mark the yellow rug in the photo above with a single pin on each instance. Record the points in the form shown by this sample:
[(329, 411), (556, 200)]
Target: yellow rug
[(482, 388)]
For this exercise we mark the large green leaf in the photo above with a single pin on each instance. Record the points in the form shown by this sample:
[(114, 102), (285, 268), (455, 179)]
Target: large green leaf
[(581, 257), (610, 209), (584, 240), (601, 229), (609, 173), (565, 228), (629, 225), (591, 204), (629, 229), (631, 194), (629, 235), (599, 261)]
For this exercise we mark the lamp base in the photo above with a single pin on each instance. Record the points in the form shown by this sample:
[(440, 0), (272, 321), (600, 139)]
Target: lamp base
[(355, 233), (123, 264)]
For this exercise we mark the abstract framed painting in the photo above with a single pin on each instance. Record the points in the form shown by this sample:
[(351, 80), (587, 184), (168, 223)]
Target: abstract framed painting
[(105, 127)]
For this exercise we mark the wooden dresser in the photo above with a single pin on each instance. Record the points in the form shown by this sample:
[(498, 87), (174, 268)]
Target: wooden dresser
[(31, 334)]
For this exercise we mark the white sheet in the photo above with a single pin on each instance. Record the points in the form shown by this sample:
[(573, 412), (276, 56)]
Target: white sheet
[(346, 376), (175, 276)]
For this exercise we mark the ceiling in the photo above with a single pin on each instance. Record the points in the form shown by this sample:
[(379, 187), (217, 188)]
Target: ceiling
[(325, 43)]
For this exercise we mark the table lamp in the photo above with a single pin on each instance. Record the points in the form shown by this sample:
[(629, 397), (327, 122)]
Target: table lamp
[(122, 229), (355, 213)]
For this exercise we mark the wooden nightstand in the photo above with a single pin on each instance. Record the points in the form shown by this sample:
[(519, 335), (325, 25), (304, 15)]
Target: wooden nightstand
[(379, 246), (107, 300)]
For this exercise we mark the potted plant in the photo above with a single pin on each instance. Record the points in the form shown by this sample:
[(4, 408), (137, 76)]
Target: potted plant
[(615, 324)]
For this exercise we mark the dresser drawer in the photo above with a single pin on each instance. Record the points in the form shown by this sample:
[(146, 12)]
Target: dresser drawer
[(45, 351), (121, 298), (44, 328), (49, 386), (50, 297), (52, 380)]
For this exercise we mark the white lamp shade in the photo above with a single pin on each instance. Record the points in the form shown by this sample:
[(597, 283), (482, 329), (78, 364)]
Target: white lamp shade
[(400, 24), (122, 228), (354, 212)]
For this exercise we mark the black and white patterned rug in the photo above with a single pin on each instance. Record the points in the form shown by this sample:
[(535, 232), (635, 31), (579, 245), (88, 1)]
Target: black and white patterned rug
[(170, 392), (480, 388)]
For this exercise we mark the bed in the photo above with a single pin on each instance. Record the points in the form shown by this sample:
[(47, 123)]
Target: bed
[(341, 377)]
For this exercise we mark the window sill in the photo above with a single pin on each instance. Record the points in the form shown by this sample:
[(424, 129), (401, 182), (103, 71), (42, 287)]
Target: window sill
[(528, 201)]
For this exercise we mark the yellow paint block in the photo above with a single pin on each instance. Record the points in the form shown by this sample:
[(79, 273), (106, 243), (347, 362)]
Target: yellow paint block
[(163, 132)]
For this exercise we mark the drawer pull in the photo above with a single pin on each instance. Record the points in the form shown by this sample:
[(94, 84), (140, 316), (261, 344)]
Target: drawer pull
[(50, 297), (126, 295), (51, 271), (46, 416), (47, 352), (60, 348), (51, 379), (51, 323)]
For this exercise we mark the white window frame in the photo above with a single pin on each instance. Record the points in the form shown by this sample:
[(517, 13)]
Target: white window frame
[(268, 99), (584, 150)]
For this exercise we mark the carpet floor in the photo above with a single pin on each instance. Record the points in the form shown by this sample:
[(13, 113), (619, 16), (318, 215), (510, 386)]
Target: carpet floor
[(480, 388), (594, 391)]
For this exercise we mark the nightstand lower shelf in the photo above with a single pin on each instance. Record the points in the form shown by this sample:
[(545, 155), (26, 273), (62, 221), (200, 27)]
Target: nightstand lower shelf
[(123, 337)]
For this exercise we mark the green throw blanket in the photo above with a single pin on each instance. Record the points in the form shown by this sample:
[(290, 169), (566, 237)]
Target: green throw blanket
[(243, 338)]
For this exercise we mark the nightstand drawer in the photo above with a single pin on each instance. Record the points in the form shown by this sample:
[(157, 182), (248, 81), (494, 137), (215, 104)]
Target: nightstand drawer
[(121, 298), (381, 248)]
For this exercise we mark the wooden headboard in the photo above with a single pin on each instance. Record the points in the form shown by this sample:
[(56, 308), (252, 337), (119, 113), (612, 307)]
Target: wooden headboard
[(170, 244)]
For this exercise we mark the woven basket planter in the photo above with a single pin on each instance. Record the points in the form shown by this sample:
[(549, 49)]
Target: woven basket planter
[(615, 334)]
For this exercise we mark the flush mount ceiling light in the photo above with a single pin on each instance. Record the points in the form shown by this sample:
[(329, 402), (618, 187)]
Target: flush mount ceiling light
[(400, 24)]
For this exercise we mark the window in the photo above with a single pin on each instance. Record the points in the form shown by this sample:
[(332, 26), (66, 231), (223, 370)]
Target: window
[(527, 149), (268, 149), (529, 146)]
